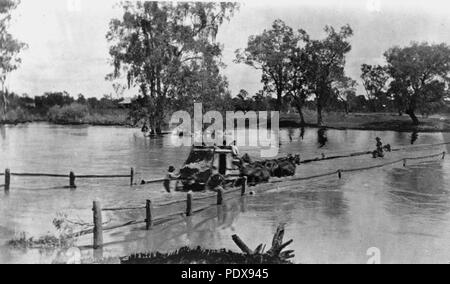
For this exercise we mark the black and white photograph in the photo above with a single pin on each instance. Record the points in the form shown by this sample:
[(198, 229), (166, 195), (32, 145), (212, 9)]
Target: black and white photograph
[(252, 133)]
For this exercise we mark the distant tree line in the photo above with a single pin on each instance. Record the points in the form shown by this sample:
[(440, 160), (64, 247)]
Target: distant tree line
[(299, 70), (168, 52)]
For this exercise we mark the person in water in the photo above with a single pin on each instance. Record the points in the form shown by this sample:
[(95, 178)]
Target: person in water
[(235, 149), (170, 181)]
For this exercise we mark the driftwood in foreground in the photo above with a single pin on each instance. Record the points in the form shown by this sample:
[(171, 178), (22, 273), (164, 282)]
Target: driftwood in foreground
[(276, 251), (186, 255)]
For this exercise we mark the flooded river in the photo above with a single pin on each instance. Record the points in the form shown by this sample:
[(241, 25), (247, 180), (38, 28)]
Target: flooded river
[(403, 212)]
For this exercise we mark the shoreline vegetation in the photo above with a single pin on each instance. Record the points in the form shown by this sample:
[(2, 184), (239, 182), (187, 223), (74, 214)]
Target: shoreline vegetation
[(114, 118), (60, 108), (77, 114)]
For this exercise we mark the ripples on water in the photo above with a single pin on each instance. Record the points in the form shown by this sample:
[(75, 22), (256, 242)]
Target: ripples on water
[(403, 211)]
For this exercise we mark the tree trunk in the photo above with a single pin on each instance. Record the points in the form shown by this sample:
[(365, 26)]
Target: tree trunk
[(4, 101), (279, 99), (413, 117), (347, 108), (302, 117), (319, 115)]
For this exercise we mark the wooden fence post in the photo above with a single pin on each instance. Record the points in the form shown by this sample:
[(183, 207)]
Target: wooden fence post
[(189, 205), (244, 186), (7, 179), (148, 214), (220, 196), (132, 177), (72, 180), (98, 225)]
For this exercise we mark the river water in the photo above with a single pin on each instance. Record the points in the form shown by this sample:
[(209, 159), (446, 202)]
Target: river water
[(403, 212)]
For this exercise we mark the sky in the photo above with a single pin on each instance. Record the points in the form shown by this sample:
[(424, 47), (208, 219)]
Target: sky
[(68, 50)]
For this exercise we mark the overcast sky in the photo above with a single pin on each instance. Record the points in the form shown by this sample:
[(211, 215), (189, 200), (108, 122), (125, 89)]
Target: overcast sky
[(68, 50)]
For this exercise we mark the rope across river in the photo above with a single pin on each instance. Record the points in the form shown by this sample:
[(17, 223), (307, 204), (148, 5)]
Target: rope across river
[(72, 176)]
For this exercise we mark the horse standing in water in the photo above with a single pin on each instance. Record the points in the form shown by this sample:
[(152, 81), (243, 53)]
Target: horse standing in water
[(379, 152)]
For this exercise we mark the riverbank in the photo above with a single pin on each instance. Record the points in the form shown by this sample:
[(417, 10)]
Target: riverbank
[(70, 115), (369, 121), (332, 120)]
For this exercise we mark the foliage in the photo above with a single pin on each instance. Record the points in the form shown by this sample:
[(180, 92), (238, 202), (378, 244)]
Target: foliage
[(74, 113), (375, 82), (324, 64), (271, 52), (63, 239), (297, 67), (9, 49), (345, 89), (168, 50), (419, 74)]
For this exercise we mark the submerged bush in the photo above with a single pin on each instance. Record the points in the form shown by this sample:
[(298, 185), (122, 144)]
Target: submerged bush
[(45, 242), (18, 115), (63, 239), (74, 113)]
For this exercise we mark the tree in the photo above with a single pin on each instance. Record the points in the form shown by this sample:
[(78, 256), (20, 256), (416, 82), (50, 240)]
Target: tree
[(9, 50), (324, 64), (375, 82), (271, 53), (81, 99), (261, 101), (119, 90), (242, 101), (299, 90), (420, 75), (345, 89), (168, 50)]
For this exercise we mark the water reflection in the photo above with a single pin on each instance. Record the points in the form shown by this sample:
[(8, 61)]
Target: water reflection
[(291, 133), (3, 132), (414, 137), (322, 137), (302, 133)]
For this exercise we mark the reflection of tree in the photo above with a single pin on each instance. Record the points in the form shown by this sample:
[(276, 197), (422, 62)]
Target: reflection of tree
[(3, 132), (291, 134), (414, 137), (302, 133), (322, 137)]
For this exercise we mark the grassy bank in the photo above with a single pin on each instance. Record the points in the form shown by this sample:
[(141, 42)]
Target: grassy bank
[(76, 114), (370, 121), (81, 114)]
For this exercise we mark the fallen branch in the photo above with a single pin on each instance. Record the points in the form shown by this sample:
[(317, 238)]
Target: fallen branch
[(276, 251)]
